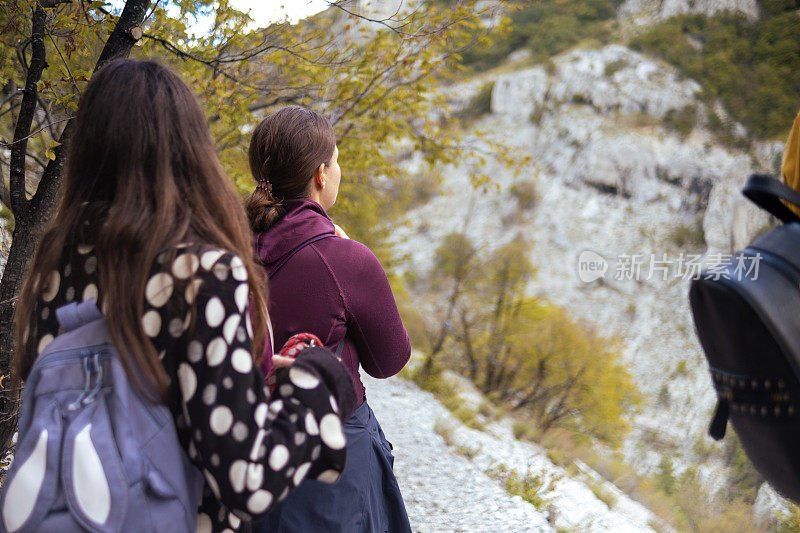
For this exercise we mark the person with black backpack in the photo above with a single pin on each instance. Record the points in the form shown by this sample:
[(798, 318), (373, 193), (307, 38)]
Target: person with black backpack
[(748, 324), (144, 408)]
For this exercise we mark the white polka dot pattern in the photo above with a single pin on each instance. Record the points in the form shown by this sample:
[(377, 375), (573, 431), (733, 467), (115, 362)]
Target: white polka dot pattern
[(238, 271), (255, 476), (328, 476), (311, 424), (241, 295), (188, 381), (330, 430), (301, 472), (194, 352), (259, 501), (237, 475), (209, 258), (151, 322), (191, 290), (159, 289), (301, 378), (260, 416), (51, 286), (221, 419), (242, 361), (215, 312), (249, 447), (90, 292), (229, 329), (278, 457), (216, 351), (185, 265), (204, 524), (44, 341)]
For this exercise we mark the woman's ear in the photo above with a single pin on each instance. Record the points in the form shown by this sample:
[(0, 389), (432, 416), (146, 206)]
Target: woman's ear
[(319, 176)]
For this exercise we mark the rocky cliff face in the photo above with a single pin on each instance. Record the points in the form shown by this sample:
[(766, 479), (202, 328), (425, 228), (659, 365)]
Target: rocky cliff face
[(647, 11), (613, 177)]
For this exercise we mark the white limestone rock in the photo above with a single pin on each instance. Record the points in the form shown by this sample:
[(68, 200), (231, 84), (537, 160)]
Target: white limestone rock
[(648, 11)]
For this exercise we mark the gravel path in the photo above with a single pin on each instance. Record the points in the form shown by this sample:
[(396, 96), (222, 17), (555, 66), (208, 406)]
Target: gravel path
[(443, 491)]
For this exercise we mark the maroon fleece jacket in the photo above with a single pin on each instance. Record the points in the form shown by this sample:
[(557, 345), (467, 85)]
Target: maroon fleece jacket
[(334, 288)]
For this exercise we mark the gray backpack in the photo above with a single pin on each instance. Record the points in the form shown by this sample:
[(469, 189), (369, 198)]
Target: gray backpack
[(92, 453)]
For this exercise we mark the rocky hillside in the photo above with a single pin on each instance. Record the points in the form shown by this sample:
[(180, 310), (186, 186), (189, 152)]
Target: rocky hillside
[(624, 166), (648, 11)]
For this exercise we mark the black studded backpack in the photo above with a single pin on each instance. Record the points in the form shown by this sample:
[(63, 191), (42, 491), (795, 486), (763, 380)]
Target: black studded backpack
[(747, 314)]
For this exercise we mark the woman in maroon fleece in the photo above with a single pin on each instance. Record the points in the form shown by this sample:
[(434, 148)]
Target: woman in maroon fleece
[(327, 284)]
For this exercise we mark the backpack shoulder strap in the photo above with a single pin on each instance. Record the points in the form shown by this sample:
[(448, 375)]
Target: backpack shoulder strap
[(285, 259), (74, 315), (339, 349), (767, 193)]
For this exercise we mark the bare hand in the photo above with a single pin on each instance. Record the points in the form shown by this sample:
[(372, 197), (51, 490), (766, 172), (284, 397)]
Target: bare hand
[(281, 361), (339, 232)]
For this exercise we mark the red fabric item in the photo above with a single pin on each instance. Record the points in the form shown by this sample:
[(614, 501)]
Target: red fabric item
[(291, 348)]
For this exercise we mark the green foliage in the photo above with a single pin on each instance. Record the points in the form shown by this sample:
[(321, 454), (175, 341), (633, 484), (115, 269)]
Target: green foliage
[(603, 494), (579, 99), (520, 429), (467, 451), (537, 115), (699, 511), (526, 354), (789, 522), (688, 236), (374, 86), (526, 194), (454, 258), (481, 103), (681, 120), (753, 67), (614, 67), (531, 488), (665, 478), (663, 396), (546, 28), (744, 479), (446, 393), (685, 505)]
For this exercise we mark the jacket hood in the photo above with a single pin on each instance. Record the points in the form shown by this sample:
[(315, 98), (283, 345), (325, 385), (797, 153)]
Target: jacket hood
[(303, 220)]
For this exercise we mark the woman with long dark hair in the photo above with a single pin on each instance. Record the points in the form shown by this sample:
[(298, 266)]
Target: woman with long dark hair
[(324, 283), (150, 228)]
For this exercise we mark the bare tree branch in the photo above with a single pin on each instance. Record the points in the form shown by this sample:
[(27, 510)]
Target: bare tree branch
[(118, 45), (11, 108), (25, 139), (48, 118), (66, 65), (26, 113)]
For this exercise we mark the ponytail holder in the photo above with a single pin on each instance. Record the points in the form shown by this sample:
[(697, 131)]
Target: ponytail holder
[(264, 186)]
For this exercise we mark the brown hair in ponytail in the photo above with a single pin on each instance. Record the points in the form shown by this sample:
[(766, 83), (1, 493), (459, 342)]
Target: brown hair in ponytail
[(286, 149)]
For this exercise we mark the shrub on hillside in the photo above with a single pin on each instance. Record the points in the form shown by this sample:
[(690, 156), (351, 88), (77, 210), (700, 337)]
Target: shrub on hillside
[(526, 354), (752, 66)]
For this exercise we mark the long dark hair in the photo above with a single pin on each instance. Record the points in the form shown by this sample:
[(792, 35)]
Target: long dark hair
[(143, 168), (286, 149)]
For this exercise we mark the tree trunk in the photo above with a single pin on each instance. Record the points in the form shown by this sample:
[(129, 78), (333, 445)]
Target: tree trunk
[(31, 217), (25, 237)]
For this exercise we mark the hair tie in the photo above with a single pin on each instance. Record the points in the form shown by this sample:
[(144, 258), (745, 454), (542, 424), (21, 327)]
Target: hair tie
[(265, 186)]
